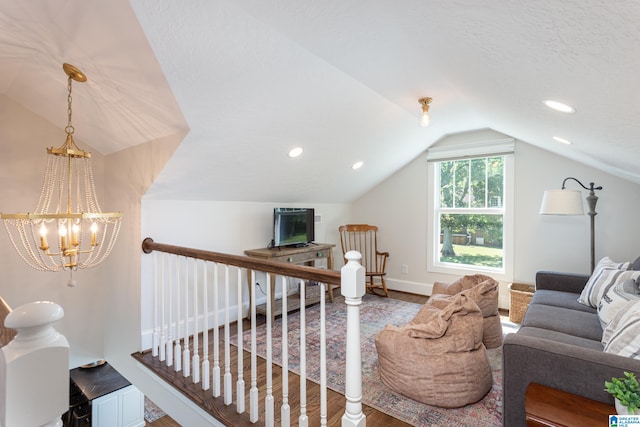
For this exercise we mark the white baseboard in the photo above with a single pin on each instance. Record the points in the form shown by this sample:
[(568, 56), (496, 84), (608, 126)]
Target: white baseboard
[(411, 287)]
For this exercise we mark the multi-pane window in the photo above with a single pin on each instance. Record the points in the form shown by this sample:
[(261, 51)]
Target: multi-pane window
[(470, 212)]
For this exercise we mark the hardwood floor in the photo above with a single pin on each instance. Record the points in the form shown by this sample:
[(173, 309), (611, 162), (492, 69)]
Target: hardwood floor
[(165, 421), (228, 415)]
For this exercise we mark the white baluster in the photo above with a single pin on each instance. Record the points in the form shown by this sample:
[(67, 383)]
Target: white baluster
[(303, 420), (177, 351), (353, 288), (240, 396), (206, 374), (228, 392), (323, 358), (170, 326), (156, 307), (253, 391), (186, 353), (285, 410), (195, 365), (216, 335), (268, 400), (163, 336)]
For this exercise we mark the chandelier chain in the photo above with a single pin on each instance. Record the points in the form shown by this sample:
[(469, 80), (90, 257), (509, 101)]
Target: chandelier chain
[(69, 129)]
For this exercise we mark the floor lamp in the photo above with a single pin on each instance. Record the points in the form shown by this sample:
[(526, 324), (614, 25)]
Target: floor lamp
[(569, 202)]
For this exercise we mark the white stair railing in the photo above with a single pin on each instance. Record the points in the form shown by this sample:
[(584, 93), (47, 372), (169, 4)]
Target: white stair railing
[(253, 392), (186, 348), (185, 297), (240, 392), (177, 350), (228, 377), (285, 409), (195, 361), (206, 371), (268, 400), (171, 328), (303, 420), (216, 335), (323, 359)]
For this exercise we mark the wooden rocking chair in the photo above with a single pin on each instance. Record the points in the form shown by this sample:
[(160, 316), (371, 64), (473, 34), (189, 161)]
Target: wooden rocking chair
[(363, 238)]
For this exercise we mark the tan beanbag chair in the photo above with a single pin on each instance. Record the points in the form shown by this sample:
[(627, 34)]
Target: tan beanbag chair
[(484, 291), (438, 358)]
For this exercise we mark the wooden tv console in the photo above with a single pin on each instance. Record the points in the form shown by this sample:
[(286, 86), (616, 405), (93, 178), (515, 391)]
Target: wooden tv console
[(308, 255)]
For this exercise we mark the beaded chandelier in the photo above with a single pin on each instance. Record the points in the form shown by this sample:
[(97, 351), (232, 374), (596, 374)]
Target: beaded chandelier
[(68, 206)]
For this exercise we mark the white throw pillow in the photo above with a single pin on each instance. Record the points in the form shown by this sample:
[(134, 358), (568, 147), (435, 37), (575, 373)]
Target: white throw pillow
[(622, 336), (605, 274), (615, 298)]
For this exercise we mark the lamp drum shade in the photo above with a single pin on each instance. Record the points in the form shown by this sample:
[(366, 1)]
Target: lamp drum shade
[(562, 202)]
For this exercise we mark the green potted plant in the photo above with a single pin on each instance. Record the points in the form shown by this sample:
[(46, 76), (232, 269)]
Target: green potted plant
[(626, 391)]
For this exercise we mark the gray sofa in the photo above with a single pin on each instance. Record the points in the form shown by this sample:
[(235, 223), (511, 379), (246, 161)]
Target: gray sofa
[(558, 346)]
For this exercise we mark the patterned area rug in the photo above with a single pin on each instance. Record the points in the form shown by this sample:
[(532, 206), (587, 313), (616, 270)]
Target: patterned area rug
[(151, 411), (375, 313)]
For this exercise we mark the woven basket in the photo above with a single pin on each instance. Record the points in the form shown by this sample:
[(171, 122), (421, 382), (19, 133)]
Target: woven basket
[(521, 295)]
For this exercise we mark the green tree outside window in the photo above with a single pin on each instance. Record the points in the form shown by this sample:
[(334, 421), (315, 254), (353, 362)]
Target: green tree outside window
[(471, 209)]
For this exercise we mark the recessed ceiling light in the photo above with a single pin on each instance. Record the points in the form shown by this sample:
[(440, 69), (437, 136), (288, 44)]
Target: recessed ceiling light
[(295, 152), (559, 106), (357, 165), (562, 140)]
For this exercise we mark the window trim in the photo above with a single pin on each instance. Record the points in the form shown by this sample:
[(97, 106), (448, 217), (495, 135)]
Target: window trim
[(498, 147), (502, 148)]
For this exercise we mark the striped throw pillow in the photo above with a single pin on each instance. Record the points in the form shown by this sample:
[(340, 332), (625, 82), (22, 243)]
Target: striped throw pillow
[(622, 336), (604, 276), (615, 298)]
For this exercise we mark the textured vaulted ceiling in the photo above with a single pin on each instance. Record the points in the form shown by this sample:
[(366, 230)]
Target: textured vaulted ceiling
[(126, 100), (251, 79)]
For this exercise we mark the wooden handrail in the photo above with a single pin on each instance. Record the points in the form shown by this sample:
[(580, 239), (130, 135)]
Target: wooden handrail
[(290, 270)]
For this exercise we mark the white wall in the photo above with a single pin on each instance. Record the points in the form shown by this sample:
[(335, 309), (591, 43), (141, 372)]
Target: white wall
[(230, 227), (399, 207), (562, 243)]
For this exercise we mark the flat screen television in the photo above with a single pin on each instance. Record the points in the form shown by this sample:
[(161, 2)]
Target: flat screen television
[(293, 226)]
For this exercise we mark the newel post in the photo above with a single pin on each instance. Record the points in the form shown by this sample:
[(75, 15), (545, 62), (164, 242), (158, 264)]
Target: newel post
[(34, 368), (352, 284)]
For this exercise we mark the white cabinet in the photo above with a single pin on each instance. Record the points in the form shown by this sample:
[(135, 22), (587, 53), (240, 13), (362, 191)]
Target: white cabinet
[(121, 408)]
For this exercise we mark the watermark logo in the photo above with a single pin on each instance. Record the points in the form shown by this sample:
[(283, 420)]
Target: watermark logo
[(624, 421)]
